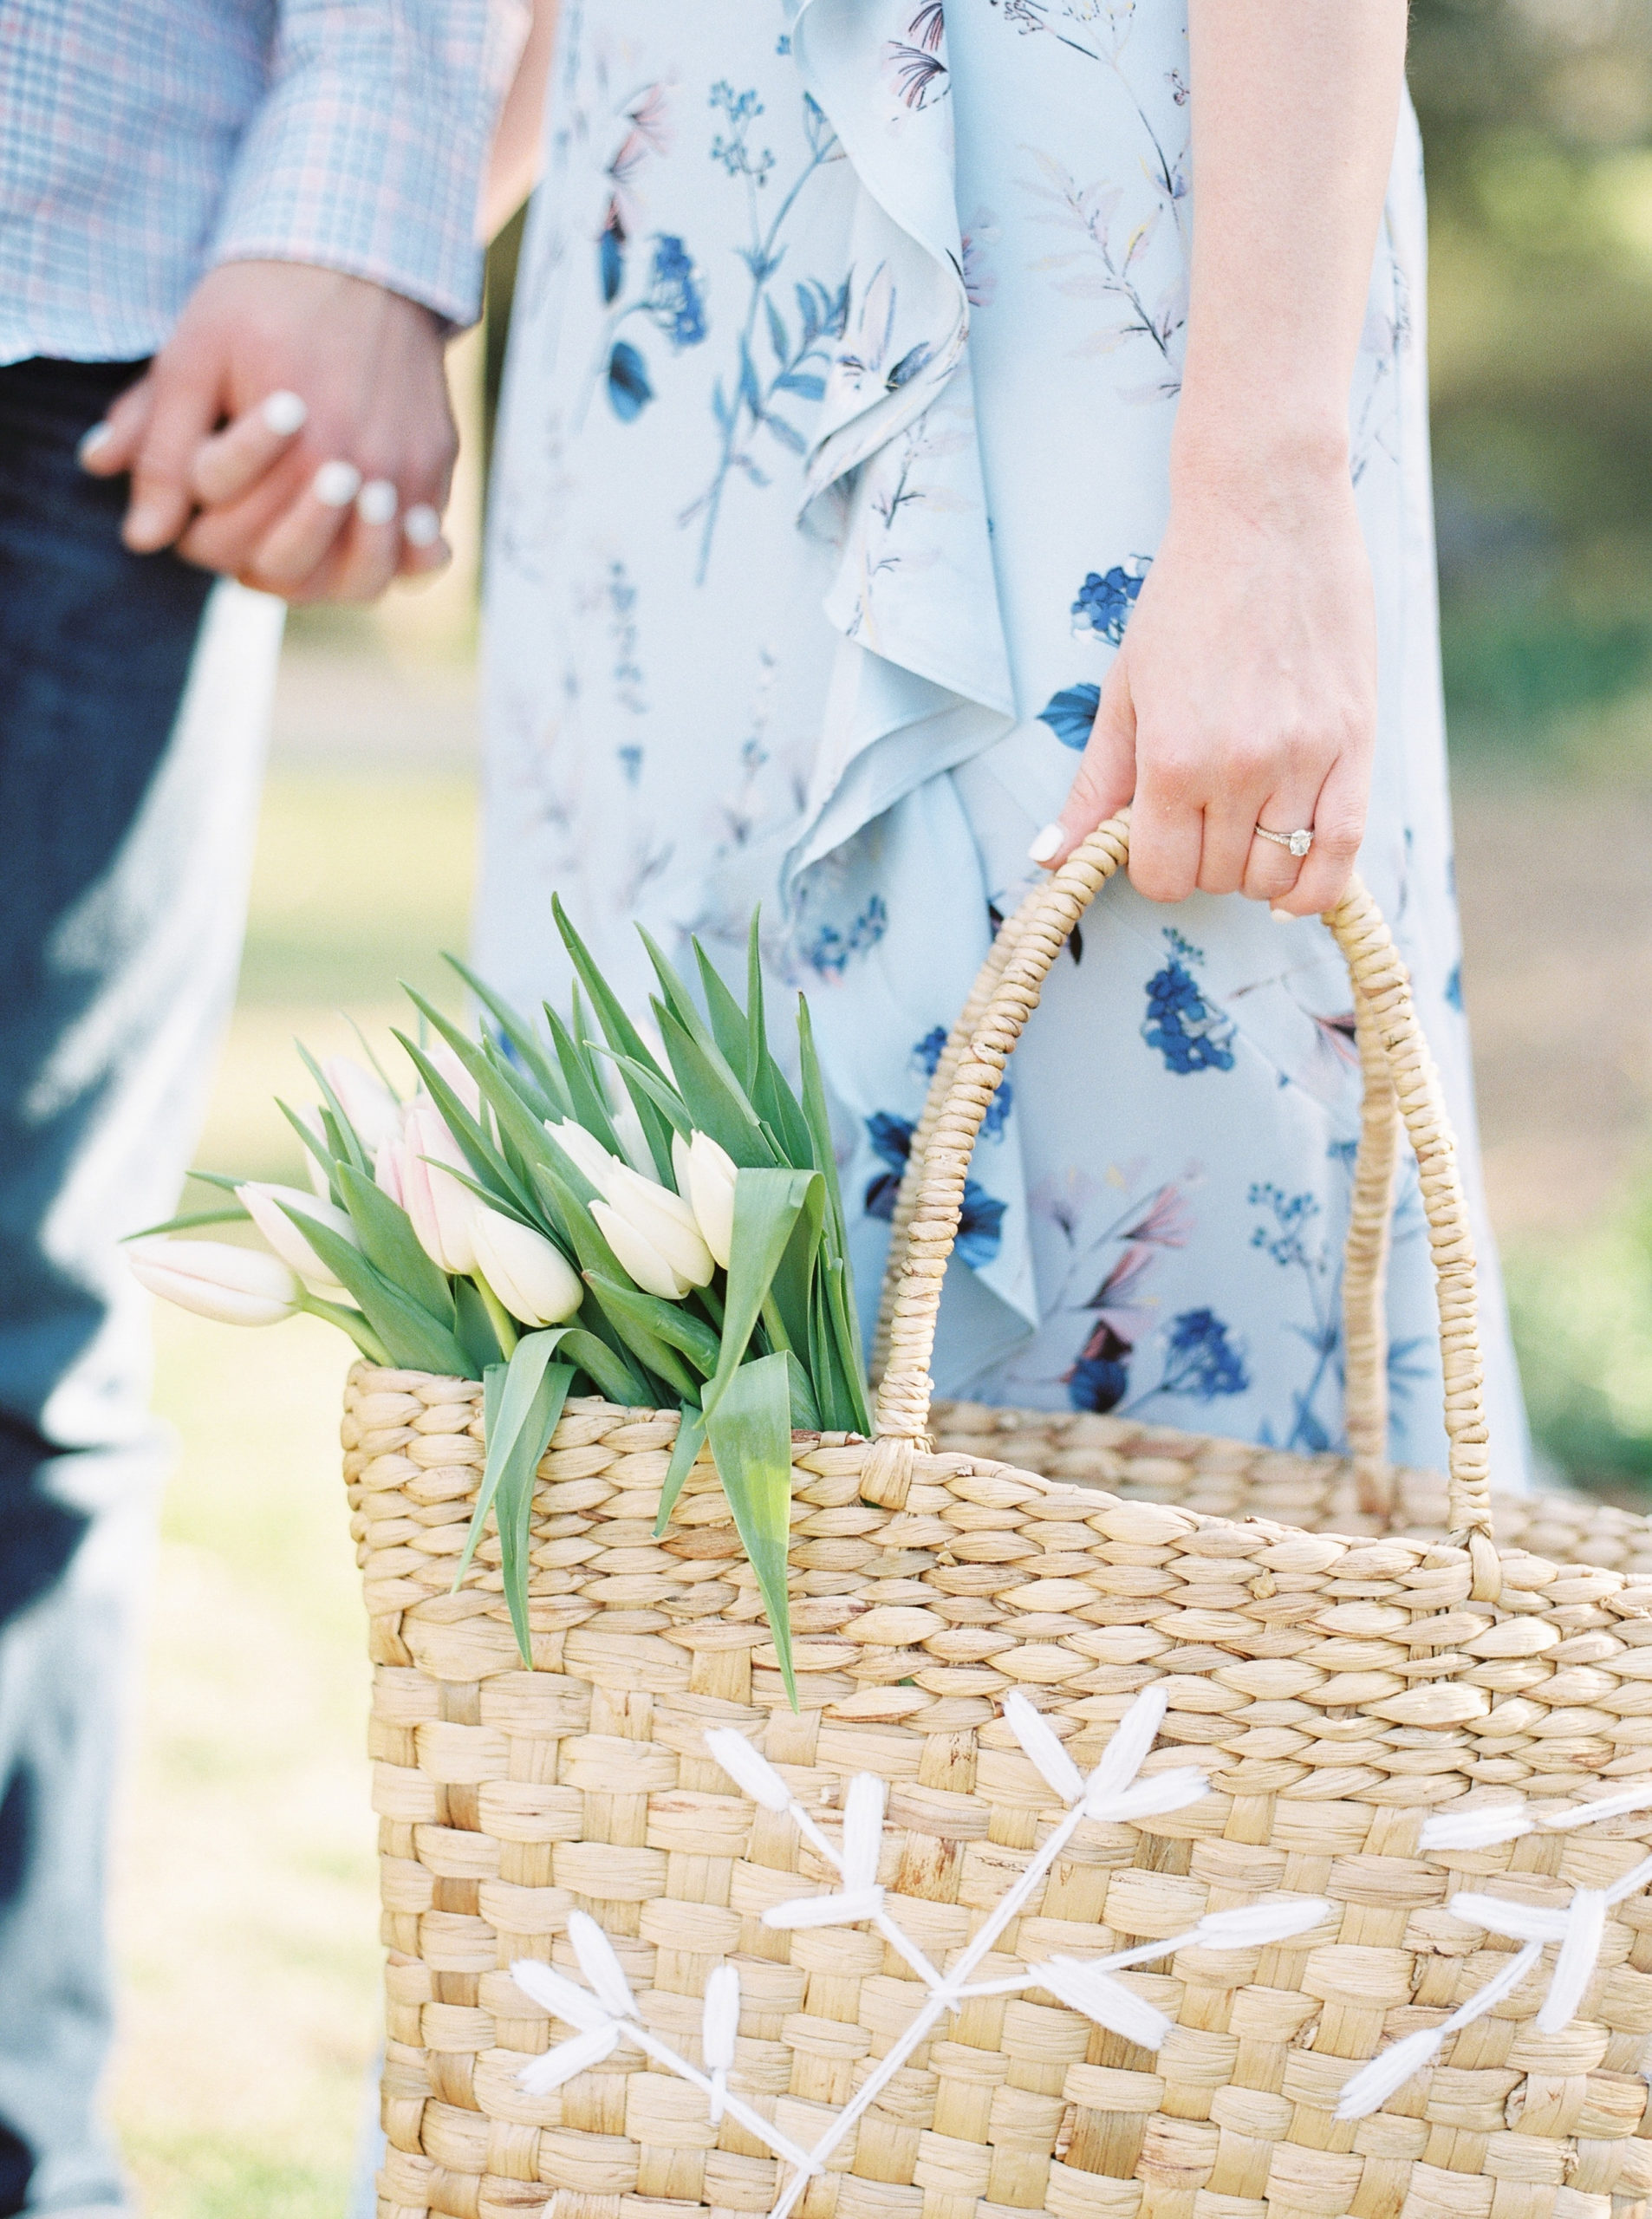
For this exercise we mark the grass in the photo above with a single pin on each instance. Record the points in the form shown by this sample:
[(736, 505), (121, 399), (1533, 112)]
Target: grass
[(246, 1915)]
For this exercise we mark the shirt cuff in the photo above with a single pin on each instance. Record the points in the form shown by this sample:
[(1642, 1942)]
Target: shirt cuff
[(367, 156)]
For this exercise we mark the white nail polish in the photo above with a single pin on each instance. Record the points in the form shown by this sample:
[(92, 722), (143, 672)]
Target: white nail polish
[(336, 485), (377, 502), (421, 526), (284, 413), (98, 436), (1047, 846), (1285, 916)]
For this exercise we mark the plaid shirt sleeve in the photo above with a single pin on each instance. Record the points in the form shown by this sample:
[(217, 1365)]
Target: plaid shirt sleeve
[(367, 155)]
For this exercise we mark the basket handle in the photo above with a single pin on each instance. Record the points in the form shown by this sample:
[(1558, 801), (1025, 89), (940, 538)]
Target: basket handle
[(1400, 1084)]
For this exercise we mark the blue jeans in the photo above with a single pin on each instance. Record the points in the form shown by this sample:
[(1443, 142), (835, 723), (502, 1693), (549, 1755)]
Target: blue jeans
[(133, 703)]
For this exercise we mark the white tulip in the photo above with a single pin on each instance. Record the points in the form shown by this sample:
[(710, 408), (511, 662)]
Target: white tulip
[(449, 1067), (238, 1287), (263, 1204), (585, 1151), (528, 1273), (664, 1224), (440, 1206), (710, 1188), (366, 1101), (638, 1255)]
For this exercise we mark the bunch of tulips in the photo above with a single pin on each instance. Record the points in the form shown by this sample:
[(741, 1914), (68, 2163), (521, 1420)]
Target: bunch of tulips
[(576, 1210)]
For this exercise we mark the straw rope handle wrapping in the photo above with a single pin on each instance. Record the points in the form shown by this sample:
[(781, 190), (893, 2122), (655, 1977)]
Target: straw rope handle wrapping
[(927, 1221)]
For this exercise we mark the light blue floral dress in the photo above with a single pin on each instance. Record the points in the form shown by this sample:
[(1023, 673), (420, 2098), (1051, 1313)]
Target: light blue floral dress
[(833, 456)]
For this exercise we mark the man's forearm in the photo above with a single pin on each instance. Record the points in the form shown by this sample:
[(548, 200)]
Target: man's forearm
[(368, 153)]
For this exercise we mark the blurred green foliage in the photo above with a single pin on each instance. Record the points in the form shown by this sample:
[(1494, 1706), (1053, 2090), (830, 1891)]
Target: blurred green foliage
[(1535, 117)]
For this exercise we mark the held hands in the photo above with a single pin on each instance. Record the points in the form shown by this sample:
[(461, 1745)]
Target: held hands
[(330, 474), (1244, 693)]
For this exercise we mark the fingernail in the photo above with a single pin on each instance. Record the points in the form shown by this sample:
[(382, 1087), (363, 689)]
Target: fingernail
[(378, 501), (284, 413), (144, 529), (1285, 916), (421, 526), (1047, 846), (98, 436), (336, 485)]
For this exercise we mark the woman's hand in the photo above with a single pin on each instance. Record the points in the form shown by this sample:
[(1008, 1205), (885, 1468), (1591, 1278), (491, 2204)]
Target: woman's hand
[(1245, 692)]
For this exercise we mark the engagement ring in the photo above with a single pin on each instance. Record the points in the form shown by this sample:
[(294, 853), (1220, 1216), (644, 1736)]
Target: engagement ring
[(1298, 842)]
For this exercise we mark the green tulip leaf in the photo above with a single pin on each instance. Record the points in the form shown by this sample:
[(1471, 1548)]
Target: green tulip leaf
[(767, 1205), (522, 1402), (413, 1338), (391, 1246), (690, 1434), (671, 1322), (750, 1429)]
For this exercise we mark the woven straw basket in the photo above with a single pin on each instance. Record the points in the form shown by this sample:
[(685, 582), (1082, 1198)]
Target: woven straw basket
[(972, 1624)]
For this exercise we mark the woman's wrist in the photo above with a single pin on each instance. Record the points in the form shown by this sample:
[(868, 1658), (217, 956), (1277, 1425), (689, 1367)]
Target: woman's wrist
[(1268, 453)]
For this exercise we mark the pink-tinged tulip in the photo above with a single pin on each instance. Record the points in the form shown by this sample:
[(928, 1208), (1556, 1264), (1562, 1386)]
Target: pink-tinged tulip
[(528, 1273), (263, 1204), (366, 1101), (441, 1207), (449, 1067), (705, 1174), (585, 1151), (238, 1286), (387, 1172), (652, 1233)]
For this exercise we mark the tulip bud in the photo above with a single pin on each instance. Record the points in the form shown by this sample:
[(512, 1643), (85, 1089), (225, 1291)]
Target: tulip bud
[(585, 1150), (449, 1067), (263, 1204), (709, 1189), (440, 1206), (648, 1226), (528, 1273), (366, 1101), (238, 1287), (634, 1141), (387, 1172)]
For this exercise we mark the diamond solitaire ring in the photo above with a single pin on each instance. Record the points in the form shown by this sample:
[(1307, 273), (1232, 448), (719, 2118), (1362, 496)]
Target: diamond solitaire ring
[(1298, 842)]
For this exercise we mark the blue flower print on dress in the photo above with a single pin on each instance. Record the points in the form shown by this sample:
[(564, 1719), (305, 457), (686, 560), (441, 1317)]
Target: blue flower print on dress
[(675, 300), (674, 304), (830, 947), (1106, 599), (927, 1054), (1070, 713), (629, 390), (749, 400), (980, 1228), (1187, 1031), (1100, 1378), (1291, 1234), (1199, 1359)]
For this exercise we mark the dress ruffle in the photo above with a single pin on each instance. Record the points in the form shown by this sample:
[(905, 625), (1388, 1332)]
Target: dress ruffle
[(923, 677), (921, 683)]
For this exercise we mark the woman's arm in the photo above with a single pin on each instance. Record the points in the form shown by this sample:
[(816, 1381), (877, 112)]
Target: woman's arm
[(1246, 689), (513, 170)]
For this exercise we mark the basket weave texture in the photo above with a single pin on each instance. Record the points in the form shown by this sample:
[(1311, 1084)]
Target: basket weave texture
[(1337, 1688)]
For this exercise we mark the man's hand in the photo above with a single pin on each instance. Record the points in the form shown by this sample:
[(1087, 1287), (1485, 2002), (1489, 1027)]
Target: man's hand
[(327, 507)]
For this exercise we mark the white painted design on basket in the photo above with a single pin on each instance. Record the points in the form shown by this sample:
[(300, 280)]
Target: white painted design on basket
[(606, 2013), (1579, 1930)]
